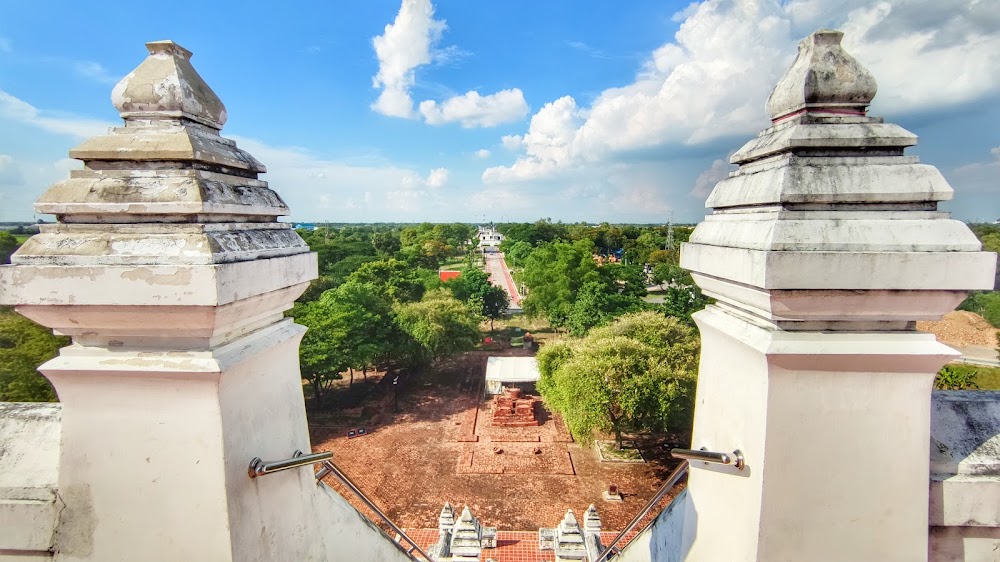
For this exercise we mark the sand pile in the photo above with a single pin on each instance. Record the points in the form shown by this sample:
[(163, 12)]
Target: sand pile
[(962, 329)]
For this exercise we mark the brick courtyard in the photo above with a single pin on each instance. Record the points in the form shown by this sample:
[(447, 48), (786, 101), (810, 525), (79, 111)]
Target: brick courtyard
[(441, 447)]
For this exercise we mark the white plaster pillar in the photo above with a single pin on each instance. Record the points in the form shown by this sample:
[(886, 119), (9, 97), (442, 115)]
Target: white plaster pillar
[(822, 250), (170, 271)]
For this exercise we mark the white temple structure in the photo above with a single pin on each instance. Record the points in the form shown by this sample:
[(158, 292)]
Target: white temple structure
[(169, 270)]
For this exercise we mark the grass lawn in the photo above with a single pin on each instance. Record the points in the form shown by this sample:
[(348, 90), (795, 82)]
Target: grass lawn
[(628, 452), (22, 237), (987, 378)]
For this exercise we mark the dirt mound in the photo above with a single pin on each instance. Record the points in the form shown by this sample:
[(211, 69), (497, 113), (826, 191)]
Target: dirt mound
[(962, 329)]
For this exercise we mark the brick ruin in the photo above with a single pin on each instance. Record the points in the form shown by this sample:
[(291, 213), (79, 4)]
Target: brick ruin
[(513, 408)]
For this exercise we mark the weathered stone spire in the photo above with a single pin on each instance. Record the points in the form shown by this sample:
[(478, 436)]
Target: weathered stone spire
[(591, 520), (822, 250), (447, 518), (570, 543), (466, 543), (823, 79), (166, 86), (592, 532), (171, 273), (833, 226), (164, 191)]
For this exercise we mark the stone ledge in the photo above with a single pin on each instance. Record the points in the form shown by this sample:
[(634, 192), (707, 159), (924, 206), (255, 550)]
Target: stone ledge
[(29, 472), (794, 179), (163, 192), (166, 144), (166, 285), (858, 270), (764, 231)]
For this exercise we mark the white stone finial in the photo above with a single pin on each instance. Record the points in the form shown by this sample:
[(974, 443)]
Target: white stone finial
[(166, 86), (823, 79), (822, 250), (446, 520), (591, 519), (569, 520)]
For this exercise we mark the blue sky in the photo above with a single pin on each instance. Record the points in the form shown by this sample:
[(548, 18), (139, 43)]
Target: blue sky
[(372, 110)]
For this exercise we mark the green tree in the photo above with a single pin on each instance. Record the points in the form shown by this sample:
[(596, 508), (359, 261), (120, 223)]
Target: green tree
[(639, 372), (8, 245), (473, 287), (986, 305), (660, 256), (495, 302), (682, 301), (349, 327), (472, 282), (24, 346), (554, 274), (394, 278), (629, 279), (518, 253), (598, 303), (440, 324), (671, 274), (386, 242)]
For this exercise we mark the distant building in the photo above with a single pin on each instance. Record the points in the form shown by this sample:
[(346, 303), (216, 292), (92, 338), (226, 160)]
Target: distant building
[(489, 238)]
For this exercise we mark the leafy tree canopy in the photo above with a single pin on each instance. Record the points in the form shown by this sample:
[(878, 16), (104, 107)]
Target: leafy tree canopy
[(554, 274), (637, 373), (597, 303), (392, 277), (24, 346), (8, 244), (440, 324)]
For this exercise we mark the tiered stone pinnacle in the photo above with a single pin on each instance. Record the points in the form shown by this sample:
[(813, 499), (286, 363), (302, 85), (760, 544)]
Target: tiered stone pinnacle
[(570, 543), (167, 217), (446, 521), (823, 79), (826, 224), (465, 540), (166, 188)]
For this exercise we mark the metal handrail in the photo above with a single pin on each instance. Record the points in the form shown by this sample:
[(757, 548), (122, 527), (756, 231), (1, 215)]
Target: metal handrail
[(260, 468), (672, 480), (330, 468), (709, 456)]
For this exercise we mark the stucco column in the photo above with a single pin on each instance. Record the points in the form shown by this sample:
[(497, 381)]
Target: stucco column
[(822, 250), (170, 271)]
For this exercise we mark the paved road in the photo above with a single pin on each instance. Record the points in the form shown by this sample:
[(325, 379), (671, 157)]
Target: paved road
[(500, 275), (979, 355)]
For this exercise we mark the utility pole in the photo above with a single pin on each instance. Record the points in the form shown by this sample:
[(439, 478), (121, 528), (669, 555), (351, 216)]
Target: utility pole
[(670, 232)]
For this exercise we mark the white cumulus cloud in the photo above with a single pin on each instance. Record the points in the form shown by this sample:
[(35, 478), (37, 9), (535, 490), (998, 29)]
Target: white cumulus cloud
[(711, 81), (547, 144), (474, 110), (437, 178), (482, 153), (718, 171), (94, 71), (511, 142), (411, 42), (15, 109), (10, 172), (405, 45), (320, 188)]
